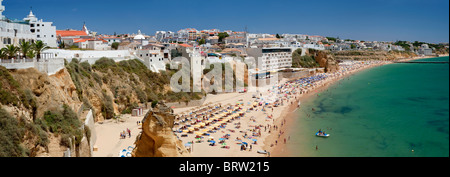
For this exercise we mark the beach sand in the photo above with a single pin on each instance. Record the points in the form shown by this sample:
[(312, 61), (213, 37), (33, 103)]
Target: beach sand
[(246, 122), (109, 143)]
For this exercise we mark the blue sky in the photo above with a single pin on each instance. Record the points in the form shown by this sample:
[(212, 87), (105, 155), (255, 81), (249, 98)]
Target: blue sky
[(380, 20)]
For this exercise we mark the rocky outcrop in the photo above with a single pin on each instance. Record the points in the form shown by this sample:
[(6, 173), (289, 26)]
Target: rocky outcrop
[(325, 59), (157, 138), (51, 91)]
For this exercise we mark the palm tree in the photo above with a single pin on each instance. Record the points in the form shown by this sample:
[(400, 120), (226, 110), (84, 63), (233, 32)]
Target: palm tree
[(11, 51), (24, 48), (3, 54), (31, 54), (39, 47)]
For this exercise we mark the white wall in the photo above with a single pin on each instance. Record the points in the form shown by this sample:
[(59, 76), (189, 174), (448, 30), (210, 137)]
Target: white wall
[(79, 54)]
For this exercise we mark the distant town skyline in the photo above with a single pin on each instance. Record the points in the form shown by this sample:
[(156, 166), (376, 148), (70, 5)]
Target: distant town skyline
[(377, 20)]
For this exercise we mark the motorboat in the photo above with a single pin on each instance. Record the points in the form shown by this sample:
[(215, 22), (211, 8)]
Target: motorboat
[(321, 134)]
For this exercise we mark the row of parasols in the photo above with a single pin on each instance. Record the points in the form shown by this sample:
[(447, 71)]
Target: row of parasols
[(216, 121)]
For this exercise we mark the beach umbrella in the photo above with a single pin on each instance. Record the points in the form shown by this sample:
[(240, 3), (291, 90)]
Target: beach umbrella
[(221, 139), (187, 144), (254, 140), (214, 142), (244, 143), (224, 144)]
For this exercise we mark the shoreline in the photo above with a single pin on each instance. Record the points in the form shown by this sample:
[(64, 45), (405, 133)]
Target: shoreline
[(108, 143), (290, 113)]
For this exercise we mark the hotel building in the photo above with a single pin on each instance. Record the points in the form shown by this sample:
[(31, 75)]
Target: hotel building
[(271, 59)]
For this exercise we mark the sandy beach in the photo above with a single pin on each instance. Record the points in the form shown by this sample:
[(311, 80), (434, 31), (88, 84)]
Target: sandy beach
[(234, 124), (268, 118), (109, 142), (290, 114)]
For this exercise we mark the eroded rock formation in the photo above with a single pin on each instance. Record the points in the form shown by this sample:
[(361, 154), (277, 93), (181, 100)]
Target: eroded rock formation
[(325, 59), (157, 138)]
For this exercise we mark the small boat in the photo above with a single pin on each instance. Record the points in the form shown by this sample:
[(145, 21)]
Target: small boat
[(322, 134), (262, 152)]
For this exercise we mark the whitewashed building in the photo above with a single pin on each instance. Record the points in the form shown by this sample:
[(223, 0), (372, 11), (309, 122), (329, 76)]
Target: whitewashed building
[(153, 57), (44, 31), (13, 32)]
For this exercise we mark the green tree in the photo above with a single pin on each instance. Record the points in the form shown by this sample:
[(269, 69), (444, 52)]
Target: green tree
[(62, 45), (11, 51), (39, 47), (223, 36), (3, 53), (24, 48), (201, 41), (31, 54), (115, 45)]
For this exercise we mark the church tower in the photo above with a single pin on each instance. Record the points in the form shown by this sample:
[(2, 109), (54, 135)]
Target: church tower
[(85, 29)]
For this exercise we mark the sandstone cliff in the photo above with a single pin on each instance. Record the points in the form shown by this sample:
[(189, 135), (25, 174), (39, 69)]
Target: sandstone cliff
[(314, 59), (50, 91), (325, 59), (31, 95), (157, 138), (108, 88)]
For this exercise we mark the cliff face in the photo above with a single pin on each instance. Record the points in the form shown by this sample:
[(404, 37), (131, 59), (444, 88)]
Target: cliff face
[(157, 138), (50, 91), (37, 94), (325, 59)]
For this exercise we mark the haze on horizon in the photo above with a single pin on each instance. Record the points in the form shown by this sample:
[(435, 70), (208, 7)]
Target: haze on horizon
[(376, 20)]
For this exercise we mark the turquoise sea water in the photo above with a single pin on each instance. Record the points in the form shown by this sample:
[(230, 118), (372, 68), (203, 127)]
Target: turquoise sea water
[(396, 110)]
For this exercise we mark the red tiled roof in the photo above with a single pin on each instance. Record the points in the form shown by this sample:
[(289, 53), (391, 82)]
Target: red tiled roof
[(185, 45), (65, 33), (79, 40)]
